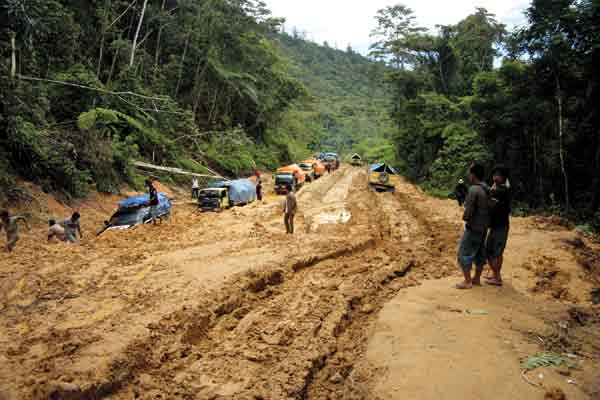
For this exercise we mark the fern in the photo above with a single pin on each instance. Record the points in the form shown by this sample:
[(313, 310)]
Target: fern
[(542, 360)]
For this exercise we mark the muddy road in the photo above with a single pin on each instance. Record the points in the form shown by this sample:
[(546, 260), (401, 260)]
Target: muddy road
[(224, 306)]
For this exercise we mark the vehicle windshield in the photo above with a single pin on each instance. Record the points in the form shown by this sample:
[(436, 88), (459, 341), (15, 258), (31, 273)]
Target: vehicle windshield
[(306, 167), (284, 178), (210, 194)]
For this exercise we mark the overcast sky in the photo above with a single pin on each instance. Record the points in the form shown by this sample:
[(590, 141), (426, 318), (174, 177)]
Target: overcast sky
[(343, 22)]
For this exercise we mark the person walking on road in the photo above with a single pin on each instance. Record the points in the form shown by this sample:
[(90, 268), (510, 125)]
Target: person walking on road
[(259, 190), (11, 226), (195, 188), (471, 249), (500, 197), (460, 192), (289, 209)]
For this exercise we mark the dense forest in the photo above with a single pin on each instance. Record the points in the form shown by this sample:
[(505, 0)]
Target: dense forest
[(88, 87), (527, 99)]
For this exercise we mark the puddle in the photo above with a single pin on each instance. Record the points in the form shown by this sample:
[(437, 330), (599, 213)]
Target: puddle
[(333, 218)]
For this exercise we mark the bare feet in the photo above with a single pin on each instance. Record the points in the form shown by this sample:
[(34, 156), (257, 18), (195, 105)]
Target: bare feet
[(494, 282), (464, 286)]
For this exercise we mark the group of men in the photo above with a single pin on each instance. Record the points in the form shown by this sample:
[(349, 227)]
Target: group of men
[(486, 216), (64, 231)]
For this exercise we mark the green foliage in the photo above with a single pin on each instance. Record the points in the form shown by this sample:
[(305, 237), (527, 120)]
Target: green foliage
[(542, 360), (462, 145)]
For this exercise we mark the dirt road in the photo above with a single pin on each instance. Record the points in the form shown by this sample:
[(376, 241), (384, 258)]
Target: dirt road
[(230, 307)]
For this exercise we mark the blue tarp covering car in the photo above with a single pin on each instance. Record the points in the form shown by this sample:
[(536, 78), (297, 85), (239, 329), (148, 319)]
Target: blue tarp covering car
[(241, 191), (135, 211)]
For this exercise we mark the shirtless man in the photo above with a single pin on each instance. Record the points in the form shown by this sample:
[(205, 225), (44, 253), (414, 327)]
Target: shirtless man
[(56, 231), (11, 226)]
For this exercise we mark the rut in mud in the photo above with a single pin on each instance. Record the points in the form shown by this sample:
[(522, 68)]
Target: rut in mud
[(288, 330)]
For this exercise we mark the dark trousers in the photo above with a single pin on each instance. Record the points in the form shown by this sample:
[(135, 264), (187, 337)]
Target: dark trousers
[(195, 192), (289, 223)]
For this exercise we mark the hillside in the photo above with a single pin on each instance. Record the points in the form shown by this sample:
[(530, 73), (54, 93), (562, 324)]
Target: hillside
[(87, 90), (349, 100)]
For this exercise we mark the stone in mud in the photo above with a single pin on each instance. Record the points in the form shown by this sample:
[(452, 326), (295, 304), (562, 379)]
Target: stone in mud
[(367, 308), (337, 378)]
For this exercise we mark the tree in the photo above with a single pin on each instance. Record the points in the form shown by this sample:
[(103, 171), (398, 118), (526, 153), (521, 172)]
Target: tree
[(395, 25)]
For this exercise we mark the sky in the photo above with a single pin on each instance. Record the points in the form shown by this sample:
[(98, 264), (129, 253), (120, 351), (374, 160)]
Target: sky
[(343, 22)]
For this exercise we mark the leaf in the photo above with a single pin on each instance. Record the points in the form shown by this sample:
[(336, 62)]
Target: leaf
[(542, 360)]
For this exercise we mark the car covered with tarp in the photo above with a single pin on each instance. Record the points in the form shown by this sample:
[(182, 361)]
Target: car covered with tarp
[(137, 210), (382, 177), (239, 192)]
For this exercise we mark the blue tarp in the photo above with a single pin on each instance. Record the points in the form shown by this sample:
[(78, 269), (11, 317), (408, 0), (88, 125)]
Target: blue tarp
[(164, 204), (134, 211), (382, 167), (241, 191)]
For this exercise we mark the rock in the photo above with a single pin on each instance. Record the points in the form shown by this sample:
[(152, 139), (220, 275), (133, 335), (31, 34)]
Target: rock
[(367, 308), (337, 378)]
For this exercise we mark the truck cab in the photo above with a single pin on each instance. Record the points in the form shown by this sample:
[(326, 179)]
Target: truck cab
[(284, 182), (213, 199)]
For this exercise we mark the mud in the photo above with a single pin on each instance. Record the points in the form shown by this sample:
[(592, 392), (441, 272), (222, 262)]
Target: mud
[(227, 306)]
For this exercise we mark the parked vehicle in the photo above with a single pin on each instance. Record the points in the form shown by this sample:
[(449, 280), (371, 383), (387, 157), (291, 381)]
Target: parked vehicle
[(213, 199), (382, 178), (288, 177), (136, 211)]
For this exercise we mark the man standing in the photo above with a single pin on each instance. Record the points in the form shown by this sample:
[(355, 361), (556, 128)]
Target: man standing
[(290, 207), (195, 188), (476, 216), (11, 226), (72, 227), (460, 192), (259, 190), (499, 224)]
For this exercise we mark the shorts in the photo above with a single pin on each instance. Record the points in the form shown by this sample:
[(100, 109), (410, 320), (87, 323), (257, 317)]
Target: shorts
[(496, 242), (471, 249)]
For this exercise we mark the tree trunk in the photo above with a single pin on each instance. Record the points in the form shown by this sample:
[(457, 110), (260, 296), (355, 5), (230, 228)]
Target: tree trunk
[(160, 29), (185, 48), (112, 66), (137, 34), (106, 11), (13, 55), (563, 168)]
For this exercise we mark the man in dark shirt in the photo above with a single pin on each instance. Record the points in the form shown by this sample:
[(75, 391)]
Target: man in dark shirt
[(259, 190), (499, 224), (471, 249)]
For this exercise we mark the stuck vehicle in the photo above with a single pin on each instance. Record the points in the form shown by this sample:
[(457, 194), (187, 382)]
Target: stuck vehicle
[(382, 178), (136, 211), (308, 171), (317, 167), (213, 199), (356, 160), (225, 194), (288, 177)]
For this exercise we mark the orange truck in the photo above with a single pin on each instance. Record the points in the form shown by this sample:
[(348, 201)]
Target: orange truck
[(314, 169), (288, 177)]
